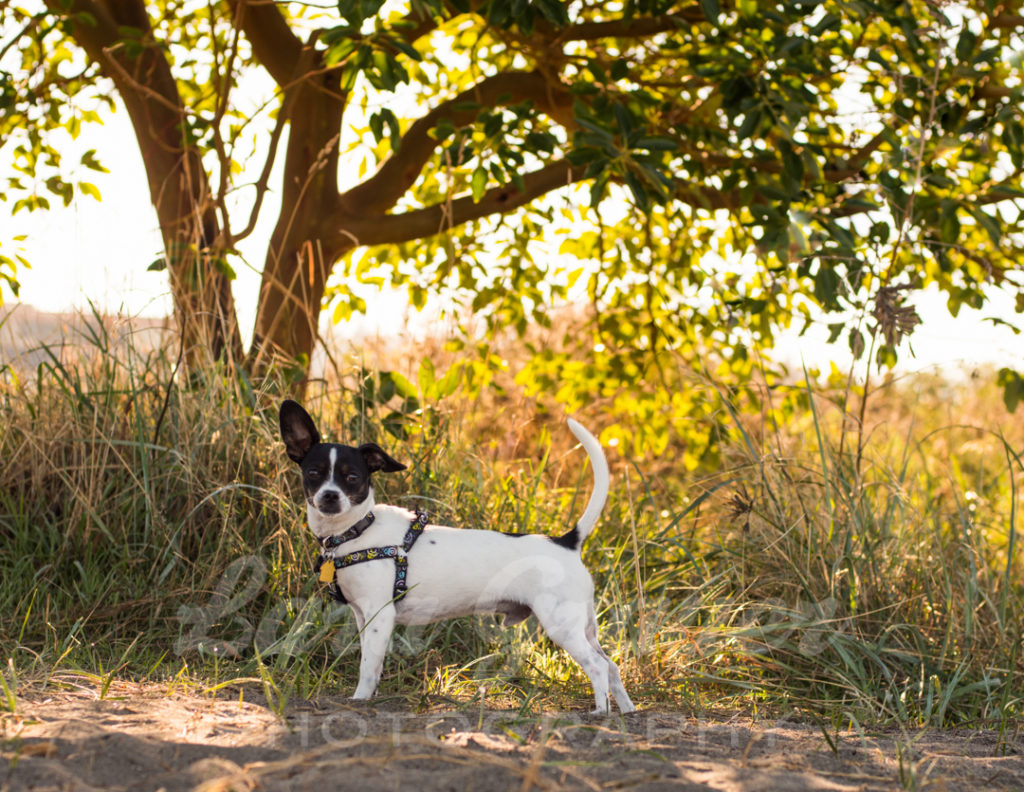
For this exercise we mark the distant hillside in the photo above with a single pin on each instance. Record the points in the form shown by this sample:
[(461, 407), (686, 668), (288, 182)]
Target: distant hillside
[(26, 333)]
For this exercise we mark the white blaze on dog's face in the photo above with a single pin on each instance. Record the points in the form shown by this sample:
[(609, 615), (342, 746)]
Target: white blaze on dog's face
[(335, 477)]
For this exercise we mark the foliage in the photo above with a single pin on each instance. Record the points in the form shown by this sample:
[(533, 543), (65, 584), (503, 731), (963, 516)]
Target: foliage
[(9, 263), (789, 163), (713, 171)]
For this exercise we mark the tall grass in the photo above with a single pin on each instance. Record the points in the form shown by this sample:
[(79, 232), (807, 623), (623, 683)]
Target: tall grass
[(151, 528), (876, 584)]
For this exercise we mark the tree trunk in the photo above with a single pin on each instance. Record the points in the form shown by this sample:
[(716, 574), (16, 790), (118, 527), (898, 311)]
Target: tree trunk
[(297, 263), (200, 286), (178, 185)]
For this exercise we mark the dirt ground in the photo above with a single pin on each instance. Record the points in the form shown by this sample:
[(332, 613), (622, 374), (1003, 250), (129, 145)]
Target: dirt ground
[(161, 737)]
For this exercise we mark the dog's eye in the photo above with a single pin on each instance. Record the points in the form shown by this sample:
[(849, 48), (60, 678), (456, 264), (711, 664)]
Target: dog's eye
[(315, 474), (352, 478)]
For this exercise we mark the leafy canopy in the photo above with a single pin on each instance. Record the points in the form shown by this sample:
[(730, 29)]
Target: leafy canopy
[(752, 166), (697, 174)]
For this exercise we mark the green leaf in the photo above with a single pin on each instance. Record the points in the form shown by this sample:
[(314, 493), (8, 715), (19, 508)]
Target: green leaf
[(637, 188), (478, 184), (622, 118), (355, 12), (826, 288), (394, 423), (965, 45), (793, 164), (541, 141), (449, 383), (403, 387), (394, 130), (340, 50), (377, 127), (1012, 384), (554, 11), (712, 10), (989, 223), (593, 127), (750, 123), (222, 266), (885, 356), (90, 190), (427, 377), (949, 223), (856, 343), (405, 47), (656, 143), (349, 75)]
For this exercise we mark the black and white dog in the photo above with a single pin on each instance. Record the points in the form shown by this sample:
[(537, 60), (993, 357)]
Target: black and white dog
[(449, 572)]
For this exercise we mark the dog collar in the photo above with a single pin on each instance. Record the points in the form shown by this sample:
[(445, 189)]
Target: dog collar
[(330, 542)]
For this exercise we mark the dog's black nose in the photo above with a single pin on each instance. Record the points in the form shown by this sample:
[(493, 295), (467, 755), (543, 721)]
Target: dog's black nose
[(329, 502)]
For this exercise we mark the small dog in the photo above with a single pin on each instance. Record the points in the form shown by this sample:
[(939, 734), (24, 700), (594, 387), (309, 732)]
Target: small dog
[(416, 573)]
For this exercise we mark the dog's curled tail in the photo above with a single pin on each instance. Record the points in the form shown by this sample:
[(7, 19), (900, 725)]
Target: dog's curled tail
[(574, 539)]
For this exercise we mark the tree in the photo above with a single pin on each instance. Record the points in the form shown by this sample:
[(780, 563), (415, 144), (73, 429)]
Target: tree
[(836, 155)]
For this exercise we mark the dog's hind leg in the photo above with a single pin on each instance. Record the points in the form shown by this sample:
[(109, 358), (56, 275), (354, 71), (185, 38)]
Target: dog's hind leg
[(570, 634), (614, 677), (622, 698), (374, 636)]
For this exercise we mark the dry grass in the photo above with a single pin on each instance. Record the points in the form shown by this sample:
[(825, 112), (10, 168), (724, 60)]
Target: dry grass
[(858, 576)]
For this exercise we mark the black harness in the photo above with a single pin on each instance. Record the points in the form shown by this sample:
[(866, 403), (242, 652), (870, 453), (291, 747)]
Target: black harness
[(326, 567)]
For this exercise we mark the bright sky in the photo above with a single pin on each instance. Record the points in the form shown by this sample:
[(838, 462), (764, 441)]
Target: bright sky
[(101, 251)]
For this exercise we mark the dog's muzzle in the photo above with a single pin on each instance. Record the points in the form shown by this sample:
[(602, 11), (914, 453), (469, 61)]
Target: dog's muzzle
[(328, 502)]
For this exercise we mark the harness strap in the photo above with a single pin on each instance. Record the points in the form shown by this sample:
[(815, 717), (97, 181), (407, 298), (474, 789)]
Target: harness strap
[(397, 552)]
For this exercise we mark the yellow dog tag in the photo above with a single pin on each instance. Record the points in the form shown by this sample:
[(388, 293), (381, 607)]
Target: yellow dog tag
[(327, 571)]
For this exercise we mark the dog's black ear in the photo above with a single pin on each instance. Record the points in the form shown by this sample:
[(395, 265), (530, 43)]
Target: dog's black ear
[(377, 459), (297, 430)]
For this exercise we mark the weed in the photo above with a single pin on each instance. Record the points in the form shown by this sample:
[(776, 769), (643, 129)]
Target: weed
[(9, 686)]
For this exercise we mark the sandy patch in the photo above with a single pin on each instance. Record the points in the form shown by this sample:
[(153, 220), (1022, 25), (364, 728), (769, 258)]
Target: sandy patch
[(156, 737)]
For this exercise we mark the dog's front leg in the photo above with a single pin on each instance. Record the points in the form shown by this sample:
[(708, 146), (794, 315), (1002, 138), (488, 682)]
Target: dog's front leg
[(373, 642)]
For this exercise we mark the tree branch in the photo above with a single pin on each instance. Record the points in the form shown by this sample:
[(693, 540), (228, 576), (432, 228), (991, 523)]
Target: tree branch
[(100, 32), (1008, 189), (273, 42), (223, 92), (262, 183), (638, 27), (720, 161), (419, 223), (400, 171), (1007, 21)]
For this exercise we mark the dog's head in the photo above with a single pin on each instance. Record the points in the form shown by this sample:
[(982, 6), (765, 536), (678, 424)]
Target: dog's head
[(335, 477)]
